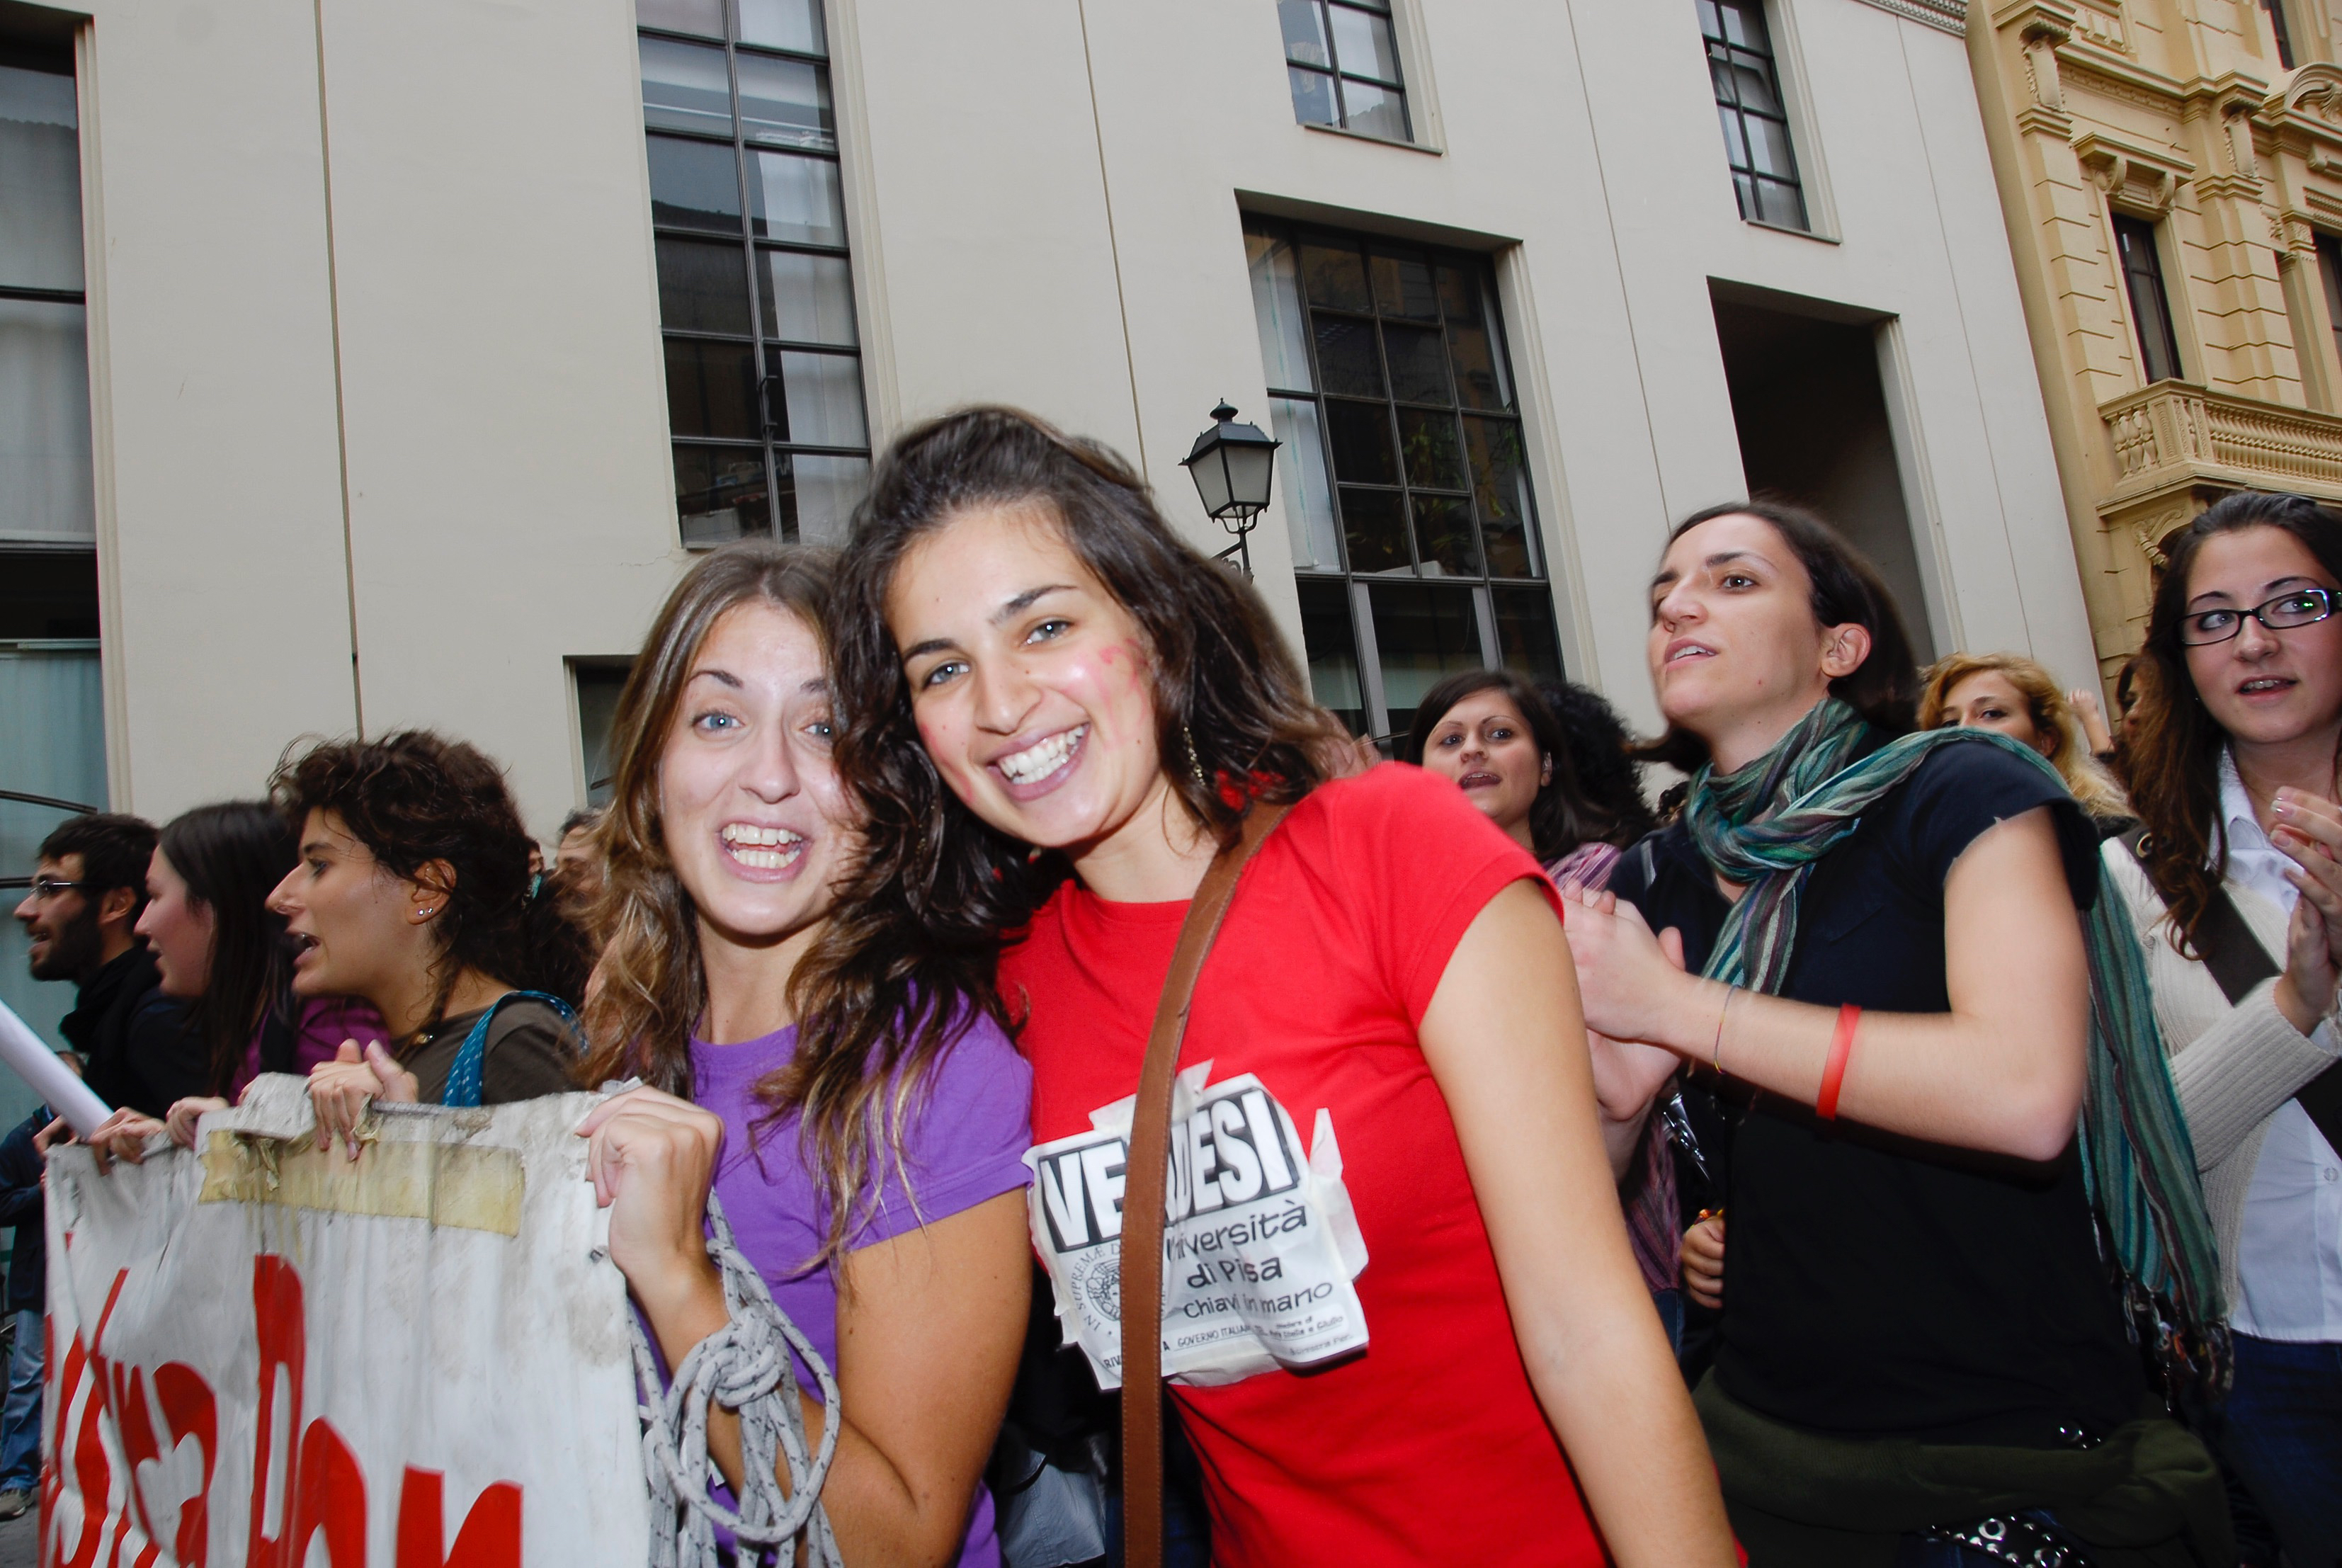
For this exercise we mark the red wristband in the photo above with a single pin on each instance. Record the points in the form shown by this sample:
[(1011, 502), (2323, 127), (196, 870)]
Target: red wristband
[(1834, 1075)]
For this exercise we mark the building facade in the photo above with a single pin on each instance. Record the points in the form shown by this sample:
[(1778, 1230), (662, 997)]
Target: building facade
[(422, 344), (2172, 178)]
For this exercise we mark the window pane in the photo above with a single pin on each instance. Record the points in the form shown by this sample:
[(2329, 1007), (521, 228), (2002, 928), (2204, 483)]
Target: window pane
[(1500, 486), (45, 484), (719, 493), (1276, 312), (1768, 147), (819, 494), (1780, 204), (40, 180), (1373, 522), (1336, 278), (711, 390), (1423, 635), (1443, 536), (822, 401), (695, 184), (1478, 384), (1735, 144), (1304, 32), (1750, 85), (1418, 364), (1308, 498), (703, 286), (1333, 652), (1313, 97), (1361, 442), (1346, 356), (795, 198), (786, 103), (1403, 288), (783, 24), (1427, 441), (1376, 111), (1527, 643), (599, 687), (704, 17), (685, 87), (809, 298), (1362, 44)]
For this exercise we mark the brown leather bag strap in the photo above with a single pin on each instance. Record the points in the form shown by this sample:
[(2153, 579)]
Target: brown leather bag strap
[(1143, 1178)]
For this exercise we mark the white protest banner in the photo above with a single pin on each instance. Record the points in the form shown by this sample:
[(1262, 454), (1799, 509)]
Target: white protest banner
[(1259, 1240), (266, 1356), (58, 1086)]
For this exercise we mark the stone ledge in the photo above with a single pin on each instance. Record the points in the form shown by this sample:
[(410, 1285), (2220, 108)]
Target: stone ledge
[(2175, 433)]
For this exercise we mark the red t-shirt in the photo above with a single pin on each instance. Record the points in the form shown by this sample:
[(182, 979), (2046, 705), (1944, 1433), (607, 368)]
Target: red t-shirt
[(1430, 1446)]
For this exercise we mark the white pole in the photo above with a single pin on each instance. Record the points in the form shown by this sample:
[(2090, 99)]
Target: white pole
[(51, 1080)]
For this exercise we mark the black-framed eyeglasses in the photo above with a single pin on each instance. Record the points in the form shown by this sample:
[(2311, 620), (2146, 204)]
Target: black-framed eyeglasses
[(2296, 607), (49, 886)]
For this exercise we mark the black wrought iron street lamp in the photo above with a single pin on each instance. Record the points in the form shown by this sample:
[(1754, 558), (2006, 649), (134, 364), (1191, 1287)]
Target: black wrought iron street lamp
[(1232, 466)]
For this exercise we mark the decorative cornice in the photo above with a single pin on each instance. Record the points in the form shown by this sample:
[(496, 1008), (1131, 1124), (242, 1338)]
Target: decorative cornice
[(1950, 16), (2114, 162)]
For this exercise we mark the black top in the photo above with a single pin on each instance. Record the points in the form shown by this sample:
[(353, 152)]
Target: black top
[(531, 1051), (1877, 1286), (136, 1043), (20, 1205)]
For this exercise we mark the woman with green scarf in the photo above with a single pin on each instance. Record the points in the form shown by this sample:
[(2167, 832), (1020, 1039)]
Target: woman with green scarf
[(1960, 1192)]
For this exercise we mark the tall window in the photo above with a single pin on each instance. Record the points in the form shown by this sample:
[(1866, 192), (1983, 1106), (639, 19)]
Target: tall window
[(1754, 116), (2329, 271), (2150, 308), (1342, 62), (764, 371), (2276, 9), (1415, 534)]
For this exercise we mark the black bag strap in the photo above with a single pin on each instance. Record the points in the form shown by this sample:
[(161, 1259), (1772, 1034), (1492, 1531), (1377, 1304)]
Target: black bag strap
[(2239, 962), (2231, 952)]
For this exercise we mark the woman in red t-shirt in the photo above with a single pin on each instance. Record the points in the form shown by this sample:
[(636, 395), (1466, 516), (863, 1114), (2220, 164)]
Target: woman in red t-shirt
[(1027, 659)]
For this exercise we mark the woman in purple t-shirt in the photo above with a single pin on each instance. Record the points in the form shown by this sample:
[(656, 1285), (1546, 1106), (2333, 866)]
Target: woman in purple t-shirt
[(838, 1074)]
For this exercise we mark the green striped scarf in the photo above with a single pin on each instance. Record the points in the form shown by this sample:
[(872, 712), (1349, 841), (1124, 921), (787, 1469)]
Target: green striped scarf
[(1766, 825)]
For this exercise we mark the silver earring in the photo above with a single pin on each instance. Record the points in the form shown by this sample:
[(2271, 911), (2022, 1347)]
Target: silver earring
[(1195, 763)]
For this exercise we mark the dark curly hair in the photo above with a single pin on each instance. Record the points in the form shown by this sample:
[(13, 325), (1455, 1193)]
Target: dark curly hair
[(2174, 762), (416, 799), (231, 855), (1601, 754), (1223, 679), (1846, 590)]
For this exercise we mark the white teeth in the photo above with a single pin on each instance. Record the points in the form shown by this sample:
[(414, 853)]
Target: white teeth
[(744, 839), (1687, 651), (1038, 762)]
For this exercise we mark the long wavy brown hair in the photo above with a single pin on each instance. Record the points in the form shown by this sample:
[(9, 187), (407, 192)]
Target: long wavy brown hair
[(2174, 754), (2052, 716), (1234, 719), (878, 1002)]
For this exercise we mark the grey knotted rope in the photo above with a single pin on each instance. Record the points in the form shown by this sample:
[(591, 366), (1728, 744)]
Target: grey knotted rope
[(745, 1367)]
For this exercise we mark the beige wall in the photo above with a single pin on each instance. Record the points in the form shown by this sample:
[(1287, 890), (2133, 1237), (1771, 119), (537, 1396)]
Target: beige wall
[(1045, 204)]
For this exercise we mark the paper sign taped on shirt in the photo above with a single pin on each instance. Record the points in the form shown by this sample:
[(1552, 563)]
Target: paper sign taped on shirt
[(1259, 1240)]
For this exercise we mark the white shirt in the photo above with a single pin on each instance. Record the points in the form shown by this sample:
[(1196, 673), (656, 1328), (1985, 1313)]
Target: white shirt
[(2290, 1290)]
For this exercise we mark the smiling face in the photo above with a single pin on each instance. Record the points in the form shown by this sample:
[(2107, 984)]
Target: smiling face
[(751, 810), (1989, 700), (1030, 683), (179, 930), (1736, 655), (1485, 746), (2264, 687), (356, 930)]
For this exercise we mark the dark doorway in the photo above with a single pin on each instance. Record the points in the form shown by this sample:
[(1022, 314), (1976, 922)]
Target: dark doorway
[(1811, 414)]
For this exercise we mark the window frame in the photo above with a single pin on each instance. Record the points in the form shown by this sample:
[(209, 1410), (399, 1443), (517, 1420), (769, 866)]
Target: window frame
[(1316, 583), (1747, 181), (1398, 85), (2149, 232), (765, 346)]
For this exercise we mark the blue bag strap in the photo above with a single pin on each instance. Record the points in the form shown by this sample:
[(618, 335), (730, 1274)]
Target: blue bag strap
[(471, 1059)]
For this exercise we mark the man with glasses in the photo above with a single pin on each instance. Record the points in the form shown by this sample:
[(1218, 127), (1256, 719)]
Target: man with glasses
[(88, 889)]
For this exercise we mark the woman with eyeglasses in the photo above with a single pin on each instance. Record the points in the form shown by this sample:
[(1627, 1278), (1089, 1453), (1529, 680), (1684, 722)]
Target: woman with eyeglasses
[(2237, 893)]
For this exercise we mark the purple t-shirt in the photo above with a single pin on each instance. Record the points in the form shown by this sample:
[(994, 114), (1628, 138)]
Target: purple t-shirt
[(964, 1143)]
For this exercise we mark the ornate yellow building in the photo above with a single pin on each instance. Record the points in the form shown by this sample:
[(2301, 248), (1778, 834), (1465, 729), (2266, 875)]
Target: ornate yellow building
[(2171, 172)]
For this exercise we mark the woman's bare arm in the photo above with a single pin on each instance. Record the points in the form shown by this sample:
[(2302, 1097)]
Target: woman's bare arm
[(1505, 1043), (2002, 1072)]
